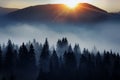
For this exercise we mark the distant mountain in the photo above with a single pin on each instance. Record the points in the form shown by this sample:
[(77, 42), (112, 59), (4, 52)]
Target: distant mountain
[(84, 12), (115, 16), (4, 11)]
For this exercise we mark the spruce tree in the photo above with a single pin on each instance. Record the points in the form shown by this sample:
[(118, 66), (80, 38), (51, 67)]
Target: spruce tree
[(9, 57), (44, 57), (32, 60), (54, 62)]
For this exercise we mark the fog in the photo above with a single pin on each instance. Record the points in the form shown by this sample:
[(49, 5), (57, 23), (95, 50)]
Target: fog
[(103, 35)]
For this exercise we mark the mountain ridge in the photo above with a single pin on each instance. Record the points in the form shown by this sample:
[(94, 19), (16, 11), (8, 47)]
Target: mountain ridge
[(4, 11), (84, 12)]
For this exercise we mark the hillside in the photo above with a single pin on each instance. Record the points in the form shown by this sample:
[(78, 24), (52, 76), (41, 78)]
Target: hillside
[(4, 11), (84, 12)]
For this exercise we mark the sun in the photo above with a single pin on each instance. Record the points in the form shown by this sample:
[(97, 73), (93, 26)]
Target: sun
[(71, 4)]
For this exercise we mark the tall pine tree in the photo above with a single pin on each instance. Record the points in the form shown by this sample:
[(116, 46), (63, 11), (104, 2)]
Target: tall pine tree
[(54, 62), (23, 56), (9, 57), (44, 57), (32, 60)]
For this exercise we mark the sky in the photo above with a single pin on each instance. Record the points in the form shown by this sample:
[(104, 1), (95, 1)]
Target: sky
[(108, 5)]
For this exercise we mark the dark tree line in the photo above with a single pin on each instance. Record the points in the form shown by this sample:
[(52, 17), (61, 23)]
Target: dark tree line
[(62, 63)]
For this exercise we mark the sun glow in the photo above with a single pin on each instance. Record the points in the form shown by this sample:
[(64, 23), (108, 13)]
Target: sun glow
[(71, 4)]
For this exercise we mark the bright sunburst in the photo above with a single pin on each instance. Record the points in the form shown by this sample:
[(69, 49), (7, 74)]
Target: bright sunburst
[(71, 4)]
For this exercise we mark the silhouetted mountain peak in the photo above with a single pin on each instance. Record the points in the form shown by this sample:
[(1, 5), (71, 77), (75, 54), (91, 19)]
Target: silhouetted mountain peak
[(89, 6), (84, 12)]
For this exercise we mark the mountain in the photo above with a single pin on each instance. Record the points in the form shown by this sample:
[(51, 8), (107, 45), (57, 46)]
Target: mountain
[(115, 16), (4, 11), (84, 12)]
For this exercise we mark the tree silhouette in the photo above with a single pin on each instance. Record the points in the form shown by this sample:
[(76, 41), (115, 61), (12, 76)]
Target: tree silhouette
[(77, 52), (63, 63), (9, 57), (54, 62), (62, 46), (32, 60), (23, 56), (0, 59), (70, 60), (44, 57)]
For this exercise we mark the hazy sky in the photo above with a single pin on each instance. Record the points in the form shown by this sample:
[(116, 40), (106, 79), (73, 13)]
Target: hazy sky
[(109, 5)]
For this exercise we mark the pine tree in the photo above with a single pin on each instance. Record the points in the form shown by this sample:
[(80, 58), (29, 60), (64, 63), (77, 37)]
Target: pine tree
[(65, 41), (98, 60), (23, 56), (70, 49), (44, 57), (70, 60), (32, 60), (45, 50), (77, 52), (54, 62), (9, 57)]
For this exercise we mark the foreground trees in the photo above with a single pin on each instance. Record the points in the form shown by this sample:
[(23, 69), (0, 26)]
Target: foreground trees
[(62, 63)]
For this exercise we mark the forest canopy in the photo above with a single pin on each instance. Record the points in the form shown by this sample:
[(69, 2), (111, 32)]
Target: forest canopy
[(36, 61)]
